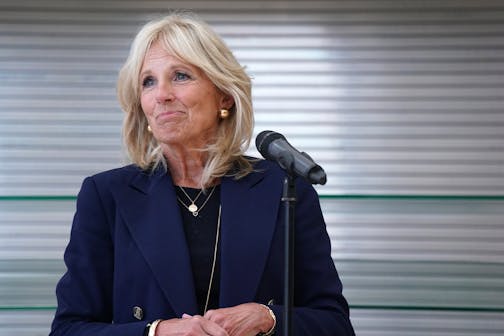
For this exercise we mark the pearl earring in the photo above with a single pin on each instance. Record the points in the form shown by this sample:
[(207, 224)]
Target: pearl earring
[(149, 129)]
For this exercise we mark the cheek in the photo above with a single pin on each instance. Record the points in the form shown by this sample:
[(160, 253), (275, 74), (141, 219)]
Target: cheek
[(207, 102), (146, 104)]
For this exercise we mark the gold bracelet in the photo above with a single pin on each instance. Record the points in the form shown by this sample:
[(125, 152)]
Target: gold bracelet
[(152, 327), (272, 329)]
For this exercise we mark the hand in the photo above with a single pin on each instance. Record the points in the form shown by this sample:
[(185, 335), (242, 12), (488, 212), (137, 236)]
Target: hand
[(248, 319), (189, 326)]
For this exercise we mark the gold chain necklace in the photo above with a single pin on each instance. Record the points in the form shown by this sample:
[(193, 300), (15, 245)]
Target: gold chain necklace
[(193, 208), (214, 261)]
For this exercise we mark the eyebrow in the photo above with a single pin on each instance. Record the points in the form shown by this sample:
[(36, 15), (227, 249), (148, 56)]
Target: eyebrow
[(145, 72), (182, 65)]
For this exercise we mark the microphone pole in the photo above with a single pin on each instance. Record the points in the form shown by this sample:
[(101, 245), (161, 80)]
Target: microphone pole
[(289, 201)]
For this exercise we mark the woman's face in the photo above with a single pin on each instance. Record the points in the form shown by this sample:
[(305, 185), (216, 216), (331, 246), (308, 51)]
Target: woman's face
[(180, 102)]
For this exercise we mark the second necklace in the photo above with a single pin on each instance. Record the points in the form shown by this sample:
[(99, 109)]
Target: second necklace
[(193, 208)]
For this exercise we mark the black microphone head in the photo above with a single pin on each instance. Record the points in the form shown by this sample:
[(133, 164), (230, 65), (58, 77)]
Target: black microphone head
[(264, 139), (317, 176)]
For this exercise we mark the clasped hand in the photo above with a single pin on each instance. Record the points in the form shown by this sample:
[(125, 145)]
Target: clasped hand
[(248, 319)]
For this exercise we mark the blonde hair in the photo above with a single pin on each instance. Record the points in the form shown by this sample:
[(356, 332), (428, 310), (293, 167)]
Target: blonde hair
[(190, 39)]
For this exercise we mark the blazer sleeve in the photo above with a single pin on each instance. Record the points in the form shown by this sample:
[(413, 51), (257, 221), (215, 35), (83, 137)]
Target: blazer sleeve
[(84, 293), (320, 307)]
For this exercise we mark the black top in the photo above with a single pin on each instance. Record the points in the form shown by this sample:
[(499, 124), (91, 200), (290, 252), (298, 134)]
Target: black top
[(200, 232)]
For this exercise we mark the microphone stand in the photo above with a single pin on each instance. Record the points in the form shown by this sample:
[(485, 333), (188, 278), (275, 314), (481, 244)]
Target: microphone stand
[(274, 147), (289, 200)]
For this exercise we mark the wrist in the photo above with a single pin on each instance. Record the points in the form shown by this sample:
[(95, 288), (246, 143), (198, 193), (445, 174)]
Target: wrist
[(271, 330), (150, 329)]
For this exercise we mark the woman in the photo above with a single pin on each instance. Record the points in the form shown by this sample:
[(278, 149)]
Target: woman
[(188, 240)]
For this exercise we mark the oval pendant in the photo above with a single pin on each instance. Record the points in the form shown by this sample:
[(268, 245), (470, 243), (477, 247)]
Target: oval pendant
[(193, 208)]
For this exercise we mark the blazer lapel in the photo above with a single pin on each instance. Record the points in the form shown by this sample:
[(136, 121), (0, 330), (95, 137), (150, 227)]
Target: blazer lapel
[(152, 215), (249, 212)]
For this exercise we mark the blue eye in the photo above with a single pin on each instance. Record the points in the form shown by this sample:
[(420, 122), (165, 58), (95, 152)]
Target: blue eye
[(148, 82), (181, 76)]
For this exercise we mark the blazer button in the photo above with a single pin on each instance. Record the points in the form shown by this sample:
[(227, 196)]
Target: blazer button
[(138, 313)]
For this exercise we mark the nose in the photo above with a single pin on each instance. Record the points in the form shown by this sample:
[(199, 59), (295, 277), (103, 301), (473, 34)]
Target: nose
[(164, 92)]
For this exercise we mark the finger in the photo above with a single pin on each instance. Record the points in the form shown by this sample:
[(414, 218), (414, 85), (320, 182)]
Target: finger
[(185, 316), (208, 313), (217, 315), (213, 328)]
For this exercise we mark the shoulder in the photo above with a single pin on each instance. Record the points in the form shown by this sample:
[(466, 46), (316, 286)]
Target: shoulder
[(113, 180), (264, 170), (265, 166), (117, 174), (271, 171)]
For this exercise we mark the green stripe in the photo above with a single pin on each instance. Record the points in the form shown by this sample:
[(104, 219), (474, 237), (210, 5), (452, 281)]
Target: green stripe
[(418, 197), (356, 307), (13, 308), (348, 196), (38, 198), (431, 308)]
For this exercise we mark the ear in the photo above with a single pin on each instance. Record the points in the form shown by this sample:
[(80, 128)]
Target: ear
[(226, 101)]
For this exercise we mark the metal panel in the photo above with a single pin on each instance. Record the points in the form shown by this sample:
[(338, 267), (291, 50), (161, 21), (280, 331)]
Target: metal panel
[(427, 73), (394, 229), (402, 103), (432, 323), (366, 322), (34, 229)]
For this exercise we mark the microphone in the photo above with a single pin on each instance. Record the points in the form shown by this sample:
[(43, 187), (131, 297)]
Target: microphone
[(274, 147)]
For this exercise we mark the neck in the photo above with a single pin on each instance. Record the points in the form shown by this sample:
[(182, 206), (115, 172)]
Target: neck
[(185, 165)]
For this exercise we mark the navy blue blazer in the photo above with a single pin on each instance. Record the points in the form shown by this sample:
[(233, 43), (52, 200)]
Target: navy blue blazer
[(127, 249)]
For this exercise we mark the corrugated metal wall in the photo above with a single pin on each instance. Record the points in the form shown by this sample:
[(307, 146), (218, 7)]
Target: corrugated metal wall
[(402, 102)]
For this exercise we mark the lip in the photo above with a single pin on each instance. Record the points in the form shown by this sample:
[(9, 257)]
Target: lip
[(167, 115)]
